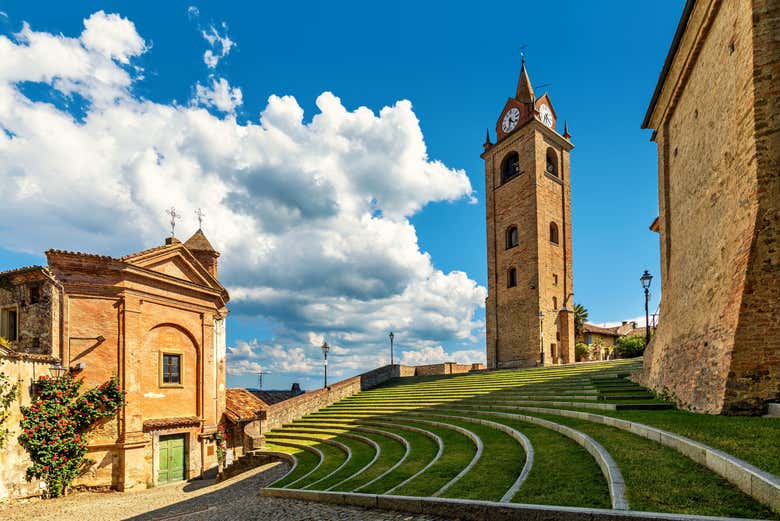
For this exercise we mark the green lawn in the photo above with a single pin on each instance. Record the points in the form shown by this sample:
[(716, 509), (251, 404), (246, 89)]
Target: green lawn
[(657, 478)]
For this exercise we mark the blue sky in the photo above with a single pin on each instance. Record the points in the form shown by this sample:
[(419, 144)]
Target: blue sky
[(456, 63)]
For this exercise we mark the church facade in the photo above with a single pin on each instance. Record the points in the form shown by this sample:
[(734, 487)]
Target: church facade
[(155, 320), (529, 308)]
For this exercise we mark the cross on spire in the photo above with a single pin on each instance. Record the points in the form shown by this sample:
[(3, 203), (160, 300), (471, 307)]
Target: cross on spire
[(200, 214), (174, 216)]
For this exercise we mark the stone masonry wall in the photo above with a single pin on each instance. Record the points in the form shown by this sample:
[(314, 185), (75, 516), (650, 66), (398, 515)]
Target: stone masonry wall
[(308, 402), (14, 460), (38, 321), (754, 376), (716, 347)]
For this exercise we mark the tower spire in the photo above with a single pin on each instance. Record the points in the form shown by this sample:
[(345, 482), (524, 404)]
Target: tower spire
[(566, 129), (487, 143), (525, 92)]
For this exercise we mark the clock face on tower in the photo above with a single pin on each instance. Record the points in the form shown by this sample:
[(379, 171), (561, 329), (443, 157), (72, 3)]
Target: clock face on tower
[(545, 115), (510, 119)]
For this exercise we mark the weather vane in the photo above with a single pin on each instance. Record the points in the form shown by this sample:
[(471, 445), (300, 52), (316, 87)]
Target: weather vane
[(172, 212), (201, 214), (522, 53)]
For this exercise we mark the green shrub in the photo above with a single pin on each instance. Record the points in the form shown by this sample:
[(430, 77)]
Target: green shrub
[(630, 346), (581, 351)]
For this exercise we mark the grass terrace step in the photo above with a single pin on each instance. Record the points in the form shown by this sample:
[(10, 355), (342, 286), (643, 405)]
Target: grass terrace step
[(430, 441)]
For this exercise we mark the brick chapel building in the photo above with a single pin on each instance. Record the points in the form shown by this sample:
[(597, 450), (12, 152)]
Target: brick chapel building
[(715, 116), (155, 320), (529, 308)]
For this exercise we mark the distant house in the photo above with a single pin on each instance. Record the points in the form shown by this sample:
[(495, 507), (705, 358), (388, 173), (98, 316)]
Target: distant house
[(244, 412), (600, 340)]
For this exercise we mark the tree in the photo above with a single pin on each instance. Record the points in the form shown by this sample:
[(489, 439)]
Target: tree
[(580, 317), (54, 427), (630, 346)]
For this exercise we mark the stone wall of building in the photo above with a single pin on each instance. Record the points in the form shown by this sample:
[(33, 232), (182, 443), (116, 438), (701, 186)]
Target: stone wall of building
[(22, 370), (36, 299), (717, 346)]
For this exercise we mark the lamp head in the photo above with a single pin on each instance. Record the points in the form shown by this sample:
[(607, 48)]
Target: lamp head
[(325, 348), (58, 371), (646, 278), (392, 336)]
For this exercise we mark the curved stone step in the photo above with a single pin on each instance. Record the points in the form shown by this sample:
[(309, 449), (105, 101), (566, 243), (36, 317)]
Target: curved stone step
[(617, 487), (435, 437), (344, 448), (759, 484), (308, 448), (514, 433), (362, 439)]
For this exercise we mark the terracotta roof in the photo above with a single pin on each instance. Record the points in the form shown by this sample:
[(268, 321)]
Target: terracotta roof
[(590, 328), (11, 353), (23, 269), (199, 242), (81, 254), (170, 423), (655, 225), (144, 252), (243, 405)]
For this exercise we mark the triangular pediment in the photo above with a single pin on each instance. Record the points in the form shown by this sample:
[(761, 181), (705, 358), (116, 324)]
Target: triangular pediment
[(177, 262), (177, 267)]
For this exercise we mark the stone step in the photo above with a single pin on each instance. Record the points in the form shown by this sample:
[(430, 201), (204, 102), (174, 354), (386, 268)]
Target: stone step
[(773, 411)]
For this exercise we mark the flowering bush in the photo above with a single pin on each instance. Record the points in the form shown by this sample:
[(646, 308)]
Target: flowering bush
[(54, 427)]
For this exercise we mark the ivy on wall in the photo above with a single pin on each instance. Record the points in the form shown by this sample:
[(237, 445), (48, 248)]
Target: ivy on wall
[(55, 424), (7, 396)]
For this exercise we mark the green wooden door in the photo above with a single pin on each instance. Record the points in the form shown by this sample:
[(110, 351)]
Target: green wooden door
[(171, 458)]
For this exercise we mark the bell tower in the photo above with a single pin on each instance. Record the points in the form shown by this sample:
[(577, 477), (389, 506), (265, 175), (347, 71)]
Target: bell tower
[(529, 308)]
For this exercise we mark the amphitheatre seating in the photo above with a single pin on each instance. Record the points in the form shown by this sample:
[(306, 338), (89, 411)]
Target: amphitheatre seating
[(550, 436)]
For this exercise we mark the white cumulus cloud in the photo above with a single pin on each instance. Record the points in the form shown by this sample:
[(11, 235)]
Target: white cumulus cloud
[(220, 43), (310, 211), (219, 95)]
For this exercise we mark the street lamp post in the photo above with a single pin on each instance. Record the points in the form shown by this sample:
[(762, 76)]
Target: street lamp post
[(541, 338), (325, 349), (392, 337), (645, 279)]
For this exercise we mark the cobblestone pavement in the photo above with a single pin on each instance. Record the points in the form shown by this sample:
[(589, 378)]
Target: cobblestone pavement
[(235, 499)]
